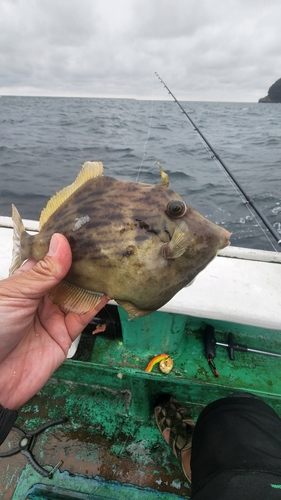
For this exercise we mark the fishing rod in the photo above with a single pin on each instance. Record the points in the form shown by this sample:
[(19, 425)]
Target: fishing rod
[(215, 155)]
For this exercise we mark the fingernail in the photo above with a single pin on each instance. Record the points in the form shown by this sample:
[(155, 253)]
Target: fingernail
[(54, 243)]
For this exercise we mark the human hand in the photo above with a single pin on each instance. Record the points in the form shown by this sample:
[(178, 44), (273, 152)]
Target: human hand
[(35, 334)]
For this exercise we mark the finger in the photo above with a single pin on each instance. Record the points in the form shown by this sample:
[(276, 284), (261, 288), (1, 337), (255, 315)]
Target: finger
[(35, 280), (28, 264)]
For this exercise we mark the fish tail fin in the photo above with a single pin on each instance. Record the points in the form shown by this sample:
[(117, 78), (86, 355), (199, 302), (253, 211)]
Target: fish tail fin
[(19, 229)]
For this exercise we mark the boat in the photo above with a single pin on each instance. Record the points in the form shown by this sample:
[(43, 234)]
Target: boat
[(103, 442)]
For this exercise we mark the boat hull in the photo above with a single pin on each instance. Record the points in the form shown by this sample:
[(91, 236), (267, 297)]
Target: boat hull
[(110, 445)]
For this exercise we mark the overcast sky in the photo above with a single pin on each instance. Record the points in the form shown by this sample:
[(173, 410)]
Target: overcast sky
[(205, 50)]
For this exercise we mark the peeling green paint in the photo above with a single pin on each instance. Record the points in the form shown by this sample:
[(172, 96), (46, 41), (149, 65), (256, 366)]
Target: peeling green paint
[(111, 397), (63, 486)]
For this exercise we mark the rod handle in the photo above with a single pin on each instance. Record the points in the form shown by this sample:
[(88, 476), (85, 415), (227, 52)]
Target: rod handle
[(232, 347), (210, 342)]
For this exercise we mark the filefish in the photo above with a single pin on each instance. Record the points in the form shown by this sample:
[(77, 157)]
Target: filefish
[(137, 243)]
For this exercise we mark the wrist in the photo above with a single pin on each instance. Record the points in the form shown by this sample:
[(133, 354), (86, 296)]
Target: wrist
[(7, 420)]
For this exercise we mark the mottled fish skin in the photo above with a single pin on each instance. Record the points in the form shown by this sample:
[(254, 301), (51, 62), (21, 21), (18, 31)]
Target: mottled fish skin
[(120, 235)]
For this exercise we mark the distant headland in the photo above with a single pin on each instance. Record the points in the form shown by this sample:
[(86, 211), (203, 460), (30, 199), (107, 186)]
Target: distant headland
[(274, 93)]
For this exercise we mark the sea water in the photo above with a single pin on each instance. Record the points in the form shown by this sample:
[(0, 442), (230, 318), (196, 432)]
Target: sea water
[(45, 140)]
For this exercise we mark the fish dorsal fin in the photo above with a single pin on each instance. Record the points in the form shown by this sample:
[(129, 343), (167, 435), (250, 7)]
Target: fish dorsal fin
[(72, 298), (164, 177), (89, 170)]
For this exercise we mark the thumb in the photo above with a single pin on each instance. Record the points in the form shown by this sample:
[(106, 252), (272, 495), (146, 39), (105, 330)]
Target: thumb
[(37, 280)]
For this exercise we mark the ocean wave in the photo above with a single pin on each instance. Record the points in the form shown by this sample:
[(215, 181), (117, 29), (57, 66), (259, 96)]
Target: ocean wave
[(45, 141)]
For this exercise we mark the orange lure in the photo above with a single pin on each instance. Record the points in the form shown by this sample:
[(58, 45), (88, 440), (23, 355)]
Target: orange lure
[(155, 360)]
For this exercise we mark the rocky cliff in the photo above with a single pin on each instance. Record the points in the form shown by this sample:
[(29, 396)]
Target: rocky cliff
[(274, 93)]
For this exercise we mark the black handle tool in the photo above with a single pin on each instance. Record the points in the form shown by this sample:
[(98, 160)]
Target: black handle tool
[(210, 344)]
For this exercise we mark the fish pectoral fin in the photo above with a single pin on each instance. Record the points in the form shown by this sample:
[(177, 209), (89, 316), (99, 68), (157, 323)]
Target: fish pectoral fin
[(178, 244), (89, 170), (132, 310), (74, 299)]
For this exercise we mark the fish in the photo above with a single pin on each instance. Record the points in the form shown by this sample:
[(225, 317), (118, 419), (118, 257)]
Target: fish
[(137, 243)]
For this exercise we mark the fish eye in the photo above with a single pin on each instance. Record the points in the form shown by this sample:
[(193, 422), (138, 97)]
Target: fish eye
[(176, 209)]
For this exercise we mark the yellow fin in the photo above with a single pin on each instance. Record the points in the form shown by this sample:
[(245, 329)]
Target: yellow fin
[(164, 177), (178, 244), (89, 170), (132, 310), (74, 299)]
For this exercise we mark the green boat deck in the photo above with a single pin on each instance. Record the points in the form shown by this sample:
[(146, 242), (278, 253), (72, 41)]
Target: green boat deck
[(110, 445)]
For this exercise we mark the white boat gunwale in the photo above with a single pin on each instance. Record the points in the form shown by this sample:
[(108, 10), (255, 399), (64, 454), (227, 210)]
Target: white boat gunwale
[(240, 285)]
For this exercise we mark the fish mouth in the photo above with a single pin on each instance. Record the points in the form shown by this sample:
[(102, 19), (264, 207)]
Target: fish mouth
[(228, 236), (225, 240)]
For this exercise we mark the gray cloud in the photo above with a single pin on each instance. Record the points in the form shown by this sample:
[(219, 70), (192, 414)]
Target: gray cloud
[(204, 50)]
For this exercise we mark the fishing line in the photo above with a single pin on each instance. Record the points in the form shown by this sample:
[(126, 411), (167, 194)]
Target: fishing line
[(215, 156), (239, 194), (149, 128)]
